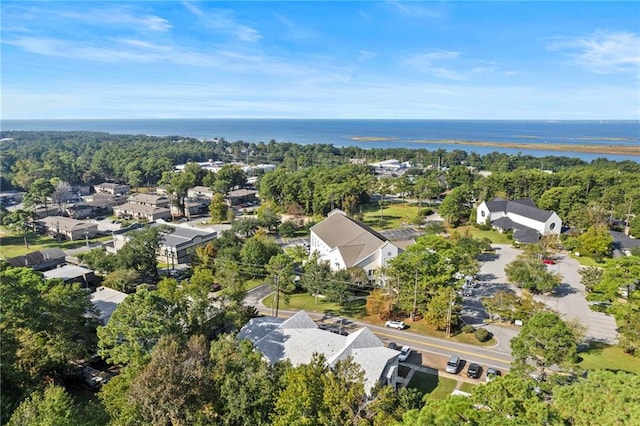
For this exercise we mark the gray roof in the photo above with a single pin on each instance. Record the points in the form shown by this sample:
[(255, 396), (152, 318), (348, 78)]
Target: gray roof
[(36, 258), (354, 240), (142, 208), (241, 193), (68, 272), (298, 338), (147, 198), (106, 300), (523, 207), (526, 235), (181, 235), (66, 223), (622, 241)]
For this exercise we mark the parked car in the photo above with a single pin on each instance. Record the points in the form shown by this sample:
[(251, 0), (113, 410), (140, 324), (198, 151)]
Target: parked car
[(474, 371), (453, 365), (548, 261), (395, 324), (404, 353), (492, 373)]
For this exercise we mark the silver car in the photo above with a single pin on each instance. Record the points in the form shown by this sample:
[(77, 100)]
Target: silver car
[(453, 365)]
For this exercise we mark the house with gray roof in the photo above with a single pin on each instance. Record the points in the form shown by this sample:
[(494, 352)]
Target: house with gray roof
[(298, 338), (39, 260), (177, 245), (527, 222), (68, 228), (345, 243)]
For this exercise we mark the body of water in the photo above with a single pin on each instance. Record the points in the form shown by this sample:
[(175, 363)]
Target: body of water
[(374, 133)]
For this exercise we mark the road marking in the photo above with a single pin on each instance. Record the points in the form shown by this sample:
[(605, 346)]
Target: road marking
[(395, 337)]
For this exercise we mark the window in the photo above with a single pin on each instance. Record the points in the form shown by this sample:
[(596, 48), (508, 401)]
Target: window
[(552, 226), (483, 213)]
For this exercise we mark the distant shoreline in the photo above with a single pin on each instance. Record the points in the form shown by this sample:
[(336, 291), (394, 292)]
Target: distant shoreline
[(591, 149)]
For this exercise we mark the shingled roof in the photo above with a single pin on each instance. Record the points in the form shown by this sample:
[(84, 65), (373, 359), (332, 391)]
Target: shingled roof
[(523, 207), (298, 338), (354, 240)]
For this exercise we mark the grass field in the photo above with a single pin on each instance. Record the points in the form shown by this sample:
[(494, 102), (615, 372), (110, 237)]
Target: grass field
[(585, 260), (306, 301), (609, 358), (13, 245), (393, 215), (467, 387), (494, 236), (435, 386)]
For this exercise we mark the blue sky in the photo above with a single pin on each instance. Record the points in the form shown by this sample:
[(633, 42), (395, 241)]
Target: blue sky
[(388, 59)]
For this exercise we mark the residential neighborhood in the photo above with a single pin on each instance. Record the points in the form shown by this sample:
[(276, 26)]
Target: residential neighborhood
[(425, 283)]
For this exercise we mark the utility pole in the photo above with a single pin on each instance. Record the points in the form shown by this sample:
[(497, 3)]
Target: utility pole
[(449, 315), (277, 278), (415, 295)]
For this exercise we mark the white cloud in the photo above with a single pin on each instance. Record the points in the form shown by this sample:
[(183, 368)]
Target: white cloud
[(428, 63), (365, 55), (602, 52), (192, 8), (223, 21), (416, 9), (119, 16)]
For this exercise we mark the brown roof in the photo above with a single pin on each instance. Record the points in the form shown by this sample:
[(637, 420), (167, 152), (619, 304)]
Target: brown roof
[(354, 239)]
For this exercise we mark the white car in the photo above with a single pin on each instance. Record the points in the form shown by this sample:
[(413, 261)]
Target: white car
[(404, 353), (395, 324)]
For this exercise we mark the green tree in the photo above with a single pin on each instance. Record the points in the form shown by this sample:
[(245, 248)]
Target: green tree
[(314, 394), (546, 340), (596, 242), (20, 221), (247, 385), (125, 280), (135, 327), (45, 325), (602, 398), (229, 177), (256, 253), (512, 400), (268, 217), (530, 273), (141, 250), (175, 387), (590, 277), (54, 406), (280, 270), (38, 193), (316, 276), (218, 208), (456, 206), (442, 310)]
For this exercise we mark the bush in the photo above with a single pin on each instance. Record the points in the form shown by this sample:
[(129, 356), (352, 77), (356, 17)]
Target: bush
[(467, 328), (482, 334)]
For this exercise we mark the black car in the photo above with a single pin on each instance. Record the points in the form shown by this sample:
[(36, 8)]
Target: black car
[(492, 373), (474, 371)]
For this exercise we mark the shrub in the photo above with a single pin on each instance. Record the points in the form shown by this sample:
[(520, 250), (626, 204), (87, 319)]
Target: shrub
[(482, 334), (467, 328)]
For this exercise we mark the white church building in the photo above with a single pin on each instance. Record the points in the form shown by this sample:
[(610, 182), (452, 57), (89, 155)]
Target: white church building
[(528, 222)]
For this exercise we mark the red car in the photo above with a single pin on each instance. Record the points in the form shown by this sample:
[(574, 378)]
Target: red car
[(548, 261)]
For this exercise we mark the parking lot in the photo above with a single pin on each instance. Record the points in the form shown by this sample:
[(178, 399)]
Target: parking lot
[(568, 299)]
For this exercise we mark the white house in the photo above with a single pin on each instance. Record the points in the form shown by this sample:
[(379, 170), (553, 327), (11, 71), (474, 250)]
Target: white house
[(298, 338), (527, 221), (346, 243)]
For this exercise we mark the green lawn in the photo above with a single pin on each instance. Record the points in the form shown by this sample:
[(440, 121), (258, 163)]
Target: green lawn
[(609, 358), (467, 387), (494, 236), (585, 260), (393, 215), (13, 245), (253, 283), (305, 301), (435, 386)]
